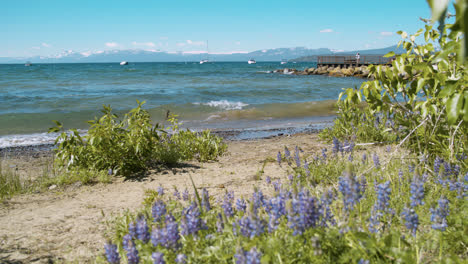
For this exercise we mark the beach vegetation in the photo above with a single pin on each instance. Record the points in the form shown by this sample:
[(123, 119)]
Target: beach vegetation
[(421, 100), (371, 207), (130, 145)]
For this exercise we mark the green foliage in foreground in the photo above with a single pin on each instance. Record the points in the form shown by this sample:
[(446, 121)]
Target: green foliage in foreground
[(423, 96), (336, 207), (131, 145)]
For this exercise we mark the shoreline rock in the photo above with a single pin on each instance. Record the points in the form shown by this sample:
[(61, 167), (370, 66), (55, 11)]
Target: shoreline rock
[(353, 71)]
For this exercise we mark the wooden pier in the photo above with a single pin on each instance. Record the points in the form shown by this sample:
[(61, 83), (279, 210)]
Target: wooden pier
[(346, 61)]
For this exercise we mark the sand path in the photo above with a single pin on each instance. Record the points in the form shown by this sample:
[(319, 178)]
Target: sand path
[(65, 225)]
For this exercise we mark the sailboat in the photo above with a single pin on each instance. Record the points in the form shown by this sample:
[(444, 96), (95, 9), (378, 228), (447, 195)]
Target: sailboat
[(251, 61), (205, 60), (284, 61)]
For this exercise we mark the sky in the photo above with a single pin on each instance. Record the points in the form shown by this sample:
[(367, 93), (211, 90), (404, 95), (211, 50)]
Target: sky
[(48, 27)]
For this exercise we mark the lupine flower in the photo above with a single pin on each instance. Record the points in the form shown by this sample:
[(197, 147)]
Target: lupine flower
[(287, 154), (191, 222), (253, 256), (290, 178), (142, 230), (219, 223), (350, 157), (250, 225), (324, 154), (348, 147), (132, 252), (297, 158), (306, 168), (277, 185), (363, 261), (258, 199), (171, 232), (276, 208), (305, 213), (278, 158), (240, 256), (158, 210), (364, 157), (439, 215), (374, 220), (437, 163), (181, 259), (268, 179), (227, 205), (336, 145), (389, 148), (383, 191), (185, 195), (352, 191), (411, 167), (112, 254), (325, 211), (411, 220), (460, 186), (132, 230), (158, 258), (376, 161), (176, 194), (205, 200), (240, 205), (417, 192), (160, 190)]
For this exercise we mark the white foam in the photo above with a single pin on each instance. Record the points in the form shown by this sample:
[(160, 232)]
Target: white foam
[(30, 139), (225, 105)]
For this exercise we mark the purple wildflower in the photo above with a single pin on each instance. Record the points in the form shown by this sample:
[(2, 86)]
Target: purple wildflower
[(160, 190), (241, 205), (158, 210), (325, 211), (374, 220), (176, 194), (460, 186), (324, 154), (383, 191), (278, 158), (191, 222), (417, 192), (268, 179), (305, 212), (158, 258), (437, 164), (276, 208), (336, 145), (253, 256), (411, 220), (250, 225), (352, 191), (389, 148), (142, 230), (132, 229), (240, 256), (205, 200), (132, 252), (181, 259), (219, 223), (290, 178), (185, 195), (227, 205), (277, 185), (306, 168), (376, 160), (287, 153), (439, 215), (258, 199), (297, 158), (112, 253)]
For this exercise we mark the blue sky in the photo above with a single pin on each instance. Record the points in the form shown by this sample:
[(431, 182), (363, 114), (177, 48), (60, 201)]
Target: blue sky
[(47, 27)]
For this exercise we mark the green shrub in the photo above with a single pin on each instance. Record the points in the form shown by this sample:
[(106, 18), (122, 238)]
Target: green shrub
[(131, 145)]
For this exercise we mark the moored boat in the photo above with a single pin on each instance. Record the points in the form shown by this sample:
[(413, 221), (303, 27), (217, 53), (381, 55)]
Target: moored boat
[(124, 63), (251, 61)]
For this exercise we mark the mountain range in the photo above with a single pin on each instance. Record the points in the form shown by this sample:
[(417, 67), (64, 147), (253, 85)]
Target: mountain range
[(292, 54)]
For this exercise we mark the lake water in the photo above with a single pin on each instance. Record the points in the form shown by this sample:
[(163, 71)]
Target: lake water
[(220, 95)]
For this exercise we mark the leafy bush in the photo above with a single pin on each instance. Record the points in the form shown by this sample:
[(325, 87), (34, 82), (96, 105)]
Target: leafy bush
[(131, 145), (423, 94), (330, 210)]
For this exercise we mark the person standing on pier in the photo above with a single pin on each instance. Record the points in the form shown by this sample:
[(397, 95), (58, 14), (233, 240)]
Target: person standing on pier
[(357, 58)]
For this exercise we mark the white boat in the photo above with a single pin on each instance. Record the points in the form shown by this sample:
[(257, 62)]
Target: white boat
[(27, 64), (124, 63), (284, 61), (207, 52), (251, 61)]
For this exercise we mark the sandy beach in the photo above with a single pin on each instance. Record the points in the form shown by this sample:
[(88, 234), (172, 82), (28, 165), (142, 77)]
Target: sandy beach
[(69, 224)]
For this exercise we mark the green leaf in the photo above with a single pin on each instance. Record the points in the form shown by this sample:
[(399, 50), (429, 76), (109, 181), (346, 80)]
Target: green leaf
[(465, 111), (438, 7), (454, 106), (390, 54)]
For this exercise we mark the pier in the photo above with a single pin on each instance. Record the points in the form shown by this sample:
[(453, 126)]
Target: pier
[(346, 61)]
